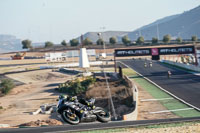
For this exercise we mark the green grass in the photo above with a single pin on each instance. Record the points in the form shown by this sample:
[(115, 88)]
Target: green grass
[(129, 72), (177, 124), (105, 131), (171, 104)]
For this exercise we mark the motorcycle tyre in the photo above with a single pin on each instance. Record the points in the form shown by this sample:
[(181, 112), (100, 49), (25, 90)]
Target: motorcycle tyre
[(68, 120), (104, 119)]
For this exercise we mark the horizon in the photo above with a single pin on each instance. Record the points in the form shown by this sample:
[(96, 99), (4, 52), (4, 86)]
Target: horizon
[(50, 20)]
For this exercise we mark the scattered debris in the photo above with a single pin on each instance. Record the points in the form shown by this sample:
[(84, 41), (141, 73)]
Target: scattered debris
[(45, 109), (50, 122)]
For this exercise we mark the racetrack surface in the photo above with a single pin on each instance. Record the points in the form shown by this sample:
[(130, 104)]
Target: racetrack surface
[(182, 84), (96, 125)]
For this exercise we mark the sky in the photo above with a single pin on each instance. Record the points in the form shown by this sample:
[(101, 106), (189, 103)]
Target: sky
[(57, 20)]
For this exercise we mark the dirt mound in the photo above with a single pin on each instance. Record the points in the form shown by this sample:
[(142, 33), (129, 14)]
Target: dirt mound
[(117, 87), (122, 96), (50, 122)]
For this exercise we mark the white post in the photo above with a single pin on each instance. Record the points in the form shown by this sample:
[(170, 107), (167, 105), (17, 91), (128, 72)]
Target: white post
[(83, 59)]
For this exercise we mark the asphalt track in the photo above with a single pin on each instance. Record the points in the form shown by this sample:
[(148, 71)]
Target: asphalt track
[(182, 84), (94, 126)]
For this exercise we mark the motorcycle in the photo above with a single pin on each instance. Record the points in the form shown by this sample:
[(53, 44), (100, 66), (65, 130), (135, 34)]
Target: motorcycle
[(74, 111), (169, 74), (145, 64), (150, 64)]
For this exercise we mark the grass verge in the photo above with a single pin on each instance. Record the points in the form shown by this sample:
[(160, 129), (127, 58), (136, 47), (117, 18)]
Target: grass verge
[(126, 130), (105, 131), (171, 104), (178, 124)]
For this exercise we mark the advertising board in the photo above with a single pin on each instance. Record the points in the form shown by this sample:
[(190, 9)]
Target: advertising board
[(155, 51), (132, 52), (176, 50)]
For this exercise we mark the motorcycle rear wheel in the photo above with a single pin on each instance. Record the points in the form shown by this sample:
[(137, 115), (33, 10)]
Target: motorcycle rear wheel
[(103, 116), (70, 117)]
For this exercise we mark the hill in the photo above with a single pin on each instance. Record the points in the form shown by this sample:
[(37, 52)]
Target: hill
[(93, 36), (9, 43), (181, 25)]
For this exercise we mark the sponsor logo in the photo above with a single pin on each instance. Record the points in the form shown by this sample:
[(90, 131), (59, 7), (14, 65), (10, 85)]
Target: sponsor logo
[(155, 51), (133, 52)]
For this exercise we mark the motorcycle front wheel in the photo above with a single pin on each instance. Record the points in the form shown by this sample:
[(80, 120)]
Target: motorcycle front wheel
[(103, 116), (70, 117)]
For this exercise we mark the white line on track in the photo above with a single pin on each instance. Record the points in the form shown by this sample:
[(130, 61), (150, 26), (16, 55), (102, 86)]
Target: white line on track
[(163, 89), (167, 111), (146, 100)]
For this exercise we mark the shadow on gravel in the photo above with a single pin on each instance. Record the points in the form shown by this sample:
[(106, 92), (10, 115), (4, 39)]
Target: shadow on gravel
[(16, 82), (52, 85), (41, 99), (53, 92)]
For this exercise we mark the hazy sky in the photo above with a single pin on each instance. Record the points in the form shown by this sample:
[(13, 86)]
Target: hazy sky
[(57, 20)]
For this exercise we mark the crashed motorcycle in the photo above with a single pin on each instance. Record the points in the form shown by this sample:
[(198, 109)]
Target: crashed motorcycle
[(74, 111)]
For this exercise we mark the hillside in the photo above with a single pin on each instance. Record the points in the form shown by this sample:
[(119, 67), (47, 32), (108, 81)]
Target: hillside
[(105, 35), (181, 25), (9, 43)]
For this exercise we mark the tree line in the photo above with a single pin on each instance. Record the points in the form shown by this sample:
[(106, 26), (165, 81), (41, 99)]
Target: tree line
[(27, 44)]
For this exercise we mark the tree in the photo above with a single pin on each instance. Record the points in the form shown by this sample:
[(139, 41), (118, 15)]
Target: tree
[(167, 38), (113, 40), (26, 44), (48, 44), (64, 43), (179, 40), (74, 42), (100, 41), (87, 41), (140, 40), (6, 85), (126, 40), (154, 40), (194, 38)]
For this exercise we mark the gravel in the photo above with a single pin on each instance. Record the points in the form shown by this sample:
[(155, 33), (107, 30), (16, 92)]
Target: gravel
[(193, 128)]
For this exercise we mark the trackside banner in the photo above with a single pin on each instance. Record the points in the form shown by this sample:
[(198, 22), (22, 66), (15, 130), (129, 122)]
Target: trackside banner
[(176, 50), (155, 51), (132, 52)]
